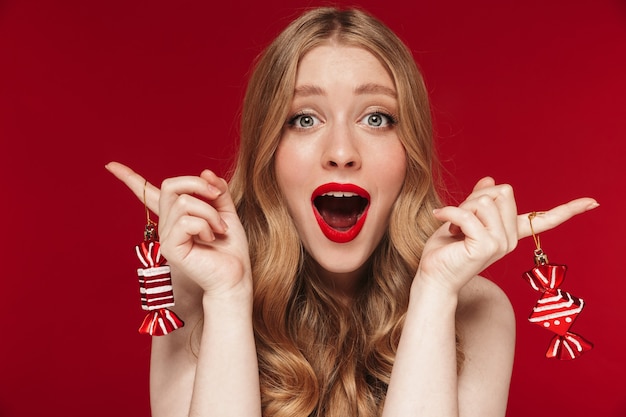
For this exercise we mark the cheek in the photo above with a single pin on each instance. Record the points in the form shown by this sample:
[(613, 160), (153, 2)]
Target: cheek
[(397, 172), (284, 162), (291, 172), (392, 167)]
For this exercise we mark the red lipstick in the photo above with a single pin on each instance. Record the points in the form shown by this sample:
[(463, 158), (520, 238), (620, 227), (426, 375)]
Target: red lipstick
[(357, 202)]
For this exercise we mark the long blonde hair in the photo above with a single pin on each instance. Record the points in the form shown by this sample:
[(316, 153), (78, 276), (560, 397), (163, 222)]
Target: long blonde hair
[(317, 356)]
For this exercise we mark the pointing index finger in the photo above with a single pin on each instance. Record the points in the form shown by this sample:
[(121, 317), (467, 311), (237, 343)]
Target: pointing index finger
[(137, 185), (546, 220)]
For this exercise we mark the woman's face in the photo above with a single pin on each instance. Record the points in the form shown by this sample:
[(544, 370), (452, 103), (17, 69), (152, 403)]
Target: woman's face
[(340, 164)]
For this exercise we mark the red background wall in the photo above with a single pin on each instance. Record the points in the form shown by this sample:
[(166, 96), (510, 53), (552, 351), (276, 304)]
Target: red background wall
[(532, 93)]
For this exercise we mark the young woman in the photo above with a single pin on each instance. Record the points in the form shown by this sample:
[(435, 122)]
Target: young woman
[(326, 278)]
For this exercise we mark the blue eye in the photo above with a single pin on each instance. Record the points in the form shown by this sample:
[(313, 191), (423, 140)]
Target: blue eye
[(303, 121)]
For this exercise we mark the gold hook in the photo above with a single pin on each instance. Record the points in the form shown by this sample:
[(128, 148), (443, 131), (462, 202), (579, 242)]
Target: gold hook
[(150, 232), (531, 216), (145, 204), (540, 257)]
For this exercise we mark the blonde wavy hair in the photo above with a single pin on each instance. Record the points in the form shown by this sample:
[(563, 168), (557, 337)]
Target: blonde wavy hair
[(317, 356)]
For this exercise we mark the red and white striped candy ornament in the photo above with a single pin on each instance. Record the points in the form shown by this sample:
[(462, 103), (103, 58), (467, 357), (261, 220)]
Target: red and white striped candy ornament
[(556, 310), (155, 285)]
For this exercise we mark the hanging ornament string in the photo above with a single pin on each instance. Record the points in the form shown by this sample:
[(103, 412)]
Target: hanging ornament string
[(151, 227), (556, 310), (155, 282), (540, 256)]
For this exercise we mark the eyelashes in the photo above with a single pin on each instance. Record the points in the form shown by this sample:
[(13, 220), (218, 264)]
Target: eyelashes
[(376, 119), (303, 120), (379, 119)]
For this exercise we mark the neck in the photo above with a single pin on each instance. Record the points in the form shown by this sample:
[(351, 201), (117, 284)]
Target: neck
[(343, 286)]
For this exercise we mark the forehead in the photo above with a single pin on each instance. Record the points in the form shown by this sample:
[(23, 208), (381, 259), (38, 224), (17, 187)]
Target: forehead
[(337, 63)]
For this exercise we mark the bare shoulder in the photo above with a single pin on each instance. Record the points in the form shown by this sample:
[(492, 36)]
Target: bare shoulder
[(486, 326), (481, 299), (484, 314)]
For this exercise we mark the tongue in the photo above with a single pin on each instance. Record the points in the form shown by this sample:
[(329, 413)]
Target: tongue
[(340, 213), (339, 221)]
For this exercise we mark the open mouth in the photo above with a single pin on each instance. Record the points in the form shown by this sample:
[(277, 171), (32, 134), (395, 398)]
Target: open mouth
[(340, 210)]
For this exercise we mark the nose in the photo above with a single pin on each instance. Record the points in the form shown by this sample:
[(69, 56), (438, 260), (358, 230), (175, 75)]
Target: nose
[(341, 150)]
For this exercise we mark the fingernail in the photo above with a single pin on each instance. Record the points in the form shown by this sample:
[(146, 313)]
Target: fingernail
[(593, 205), (224, 225), (435, 211), (213, 189)]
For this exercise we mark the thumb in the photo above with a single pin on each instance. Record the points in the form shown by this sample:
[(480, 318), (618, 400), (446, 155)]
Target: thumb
[(484, 183), (224, 201)]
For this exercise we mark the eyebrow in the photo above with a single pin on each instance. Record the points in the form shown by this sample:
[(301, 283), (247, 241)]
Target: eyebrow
[(308, 90), (372, 88), (369, 88)]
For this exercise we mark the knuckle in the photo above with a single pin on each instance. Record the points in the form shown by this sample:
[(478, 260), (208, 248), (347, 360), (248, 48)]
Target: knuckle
[(184, 201), (186, 223), (506, 190), (167, 184), (465, 215), (484, 200)]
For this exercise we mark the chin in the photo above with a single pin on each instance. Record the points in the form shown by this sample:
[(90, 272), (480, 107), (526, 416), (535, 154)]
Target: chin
[(342, 263)]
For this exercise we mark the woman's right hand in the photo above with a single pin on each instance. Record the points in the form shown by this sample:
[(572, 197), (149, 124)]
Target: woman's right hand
[(200, 232), (192, 372)]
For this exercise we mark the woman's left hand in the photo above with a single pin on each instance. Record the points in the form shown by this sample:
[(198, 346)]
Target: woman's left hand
[(481, 230)]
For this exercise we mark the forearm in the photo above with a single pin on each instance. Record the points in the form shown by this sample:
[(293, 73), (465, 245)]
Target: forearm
[(227, 377), (173, 360), (424, 377), (208, 367)]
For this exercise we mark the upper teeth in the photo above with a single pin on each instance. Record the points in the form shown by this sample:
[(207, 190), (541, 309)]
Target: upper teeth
[(340, 194)]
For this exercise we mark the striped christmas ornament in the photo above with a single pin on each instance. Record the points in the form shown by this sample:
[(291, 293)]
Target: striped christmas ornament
[(556, 311), (155, 288)]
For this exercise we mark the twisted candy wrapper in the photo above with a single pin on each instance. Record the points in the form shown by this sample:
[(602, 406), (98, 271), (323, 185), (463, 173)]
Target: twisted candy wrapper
[(155, 286), (556, 311)]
